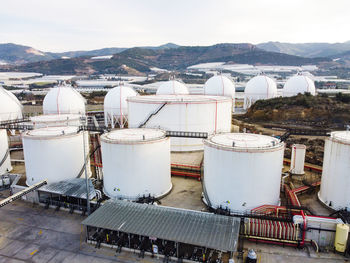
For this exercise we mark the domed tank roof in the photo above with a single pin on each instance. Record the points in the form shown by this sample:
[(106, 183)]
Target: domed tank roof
[(172, 87), (261, 87), (115, 101), (10, 107), (130, 136), (63, 100), (220, 86), (298, 84)]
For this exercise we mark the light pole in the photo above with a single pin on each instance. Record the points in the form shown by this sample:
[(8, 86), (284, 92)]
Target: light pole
[(83, 122)]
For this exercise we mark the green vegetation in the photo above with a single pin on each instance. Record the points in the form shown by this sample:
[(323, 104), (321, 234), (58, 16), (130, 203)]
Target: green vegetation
[(302, 110)]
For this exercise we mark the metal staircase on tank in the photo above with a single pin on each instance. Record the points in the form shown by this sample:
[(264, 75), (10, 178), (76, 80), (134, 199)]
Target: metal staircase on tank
[(4, 158), (151, 115)]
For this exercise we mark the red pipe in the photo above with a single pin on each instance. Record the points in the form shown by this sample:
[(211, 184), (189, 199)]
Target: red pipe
[(187, 166), (273, 242)]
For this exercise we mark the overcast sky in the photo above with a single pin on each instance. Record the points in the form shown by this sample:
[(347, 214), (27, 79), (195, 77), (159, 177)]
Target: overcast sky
[(62, 25)]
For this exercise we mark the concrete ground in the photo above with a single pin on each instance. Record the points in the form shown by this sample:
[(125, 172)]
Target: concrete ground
[(32, 234), (186, 193), (29, 233)]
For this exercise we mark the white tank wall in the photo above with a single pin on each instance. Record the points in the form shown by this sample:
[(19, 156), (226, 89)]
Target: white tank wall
[(242, 180), (56, 158), (335, 182), (133, 170), (211, 116), (298, 159), (4, 147)]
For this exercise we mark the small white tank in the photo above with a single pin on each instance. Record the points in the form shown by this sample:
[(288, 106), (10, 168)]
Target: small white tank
[(335, 181), (64, 100), (116, 106), (5, 162), (55, 154), (172, 87), (220, 85), (136, 163), (10, 106), (260, 87), (298, 159), (242, 171), (50, 120), (298, 84)]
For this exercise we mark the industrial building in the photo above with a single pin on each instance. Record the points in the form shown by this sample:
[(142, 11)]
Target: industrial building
[(119, 171)]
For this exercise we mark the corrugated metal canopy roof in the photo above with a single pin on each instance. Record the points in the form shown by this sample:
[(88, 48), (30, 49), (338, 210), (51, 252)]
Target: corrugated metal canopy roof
[(179, 225), (75, 187)]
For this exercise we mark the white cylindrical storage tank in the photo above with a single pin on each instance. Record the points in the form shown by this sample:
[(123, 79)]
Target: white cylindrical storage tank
[(298, 159), (298, 84), (335, 181), (220, 85), (55, 154), (5, 162), (172, 87), (136, 163), (10, 107), (64, 100), (188, 113), (116, 106), (43, 121), (242, 170), (259, 88)]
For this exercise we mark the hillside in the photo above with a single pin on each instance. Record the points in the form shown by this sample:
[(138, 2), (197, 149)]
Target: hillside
[(309, 112), (18, 54), (306, 49), (142, 59), (302, 110)]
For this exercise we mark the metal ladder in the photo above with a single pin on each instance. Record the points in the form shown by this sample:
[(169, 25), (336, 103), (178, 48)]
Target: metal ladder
[(151, 115)]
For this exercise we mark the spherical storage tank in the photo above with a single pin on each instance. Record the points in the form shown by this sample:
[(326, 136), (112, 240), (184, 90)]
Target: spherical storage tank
[(259, 88), (335, 181), (136, 163), (298, 84), (242, 171), (188, 113), (42, 121), (172, 87), (116, 106), (5, 162), (220, 85), (10, 107), (55, 154), (63, 100)]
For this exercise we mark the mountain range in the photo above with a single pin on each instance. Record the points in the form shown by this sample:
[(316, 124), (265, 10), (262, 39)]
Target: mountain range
[(170, 57), (140, 60), (18, 54), (310, 50)]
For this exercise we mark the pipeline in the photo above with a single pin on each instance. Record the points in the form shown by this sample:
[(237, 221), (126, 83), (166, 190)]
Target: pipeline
[(283, 243), (186, 174)]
